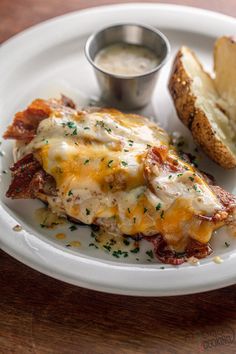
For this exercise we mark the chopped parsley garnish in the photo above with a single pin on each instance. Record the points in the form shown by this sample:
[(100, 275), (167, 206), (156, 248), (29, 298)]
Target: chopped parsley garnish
[(86, 161), (170, 176), (71, 125), (126, 242), (125, 150), (99, 122), (107, 247), (158, 207), (119, 253), (145, 210), (158, 187), (102, 124), (4, 171), (109, 163), (148, 146), (87, 211), (134, 219), (73, 227), (130, 142), (93, 235), (124, 163), (191, 179), (162, 267), (162, 214), (68, 245), (150, 253), (74, 132), (128, 210), (196, 188), (179, 174), (93, 245), (227, 244), (135, 250), (108, 129), (70, 193), (42, 225), (86, 128)]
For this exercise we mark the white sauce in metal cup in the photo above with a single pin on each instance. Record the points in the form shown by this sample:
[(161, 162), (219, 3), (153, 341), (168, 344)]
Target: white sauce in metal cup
[(126, 59)]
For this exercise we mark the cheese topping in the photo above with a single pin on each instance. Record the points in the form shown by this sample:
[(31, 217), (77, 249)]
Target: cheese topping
[(99, 162)]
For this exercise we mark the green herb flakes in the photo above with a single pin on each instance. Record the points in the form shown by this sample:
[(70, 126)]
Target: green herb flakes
[(126, 242), (119, 254), (93, 245), (150, 253), (109, 163), (73, 227), (87, 211), (124, 163), (135, 250)]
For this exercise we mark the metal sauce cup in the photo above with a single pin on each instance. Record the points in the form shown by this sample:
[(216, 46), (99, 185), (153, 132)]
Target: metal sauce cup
[(127, 92)]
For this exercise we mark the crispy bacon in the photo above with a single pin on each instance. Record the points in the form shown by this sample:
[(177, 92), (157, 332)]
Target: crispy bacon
[(25, 123), (67, 102), (197, 249), (168, 256), (227, 199), (158, 157), (28, 179)]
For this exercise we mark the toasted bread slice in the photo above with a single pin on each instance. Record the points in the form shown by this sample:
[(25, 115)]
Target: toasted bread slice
[(200, 107)]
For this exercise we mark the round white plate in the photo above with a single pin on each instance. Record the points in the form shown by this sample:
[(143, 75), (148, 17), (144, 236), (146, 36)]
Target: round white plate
[(48, 59)]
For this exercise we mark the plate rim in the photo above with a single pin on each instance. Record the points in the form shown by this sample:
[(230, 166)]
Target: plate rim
[(30, 256)]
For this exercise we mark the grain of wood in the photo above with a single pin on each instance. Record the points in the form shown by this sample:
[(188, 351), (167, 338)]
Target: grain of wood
[(41, 315)]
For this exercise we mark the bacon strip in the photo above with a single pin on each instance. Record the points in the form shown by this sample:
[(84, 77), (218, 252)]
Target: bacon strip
[(227, 199), (25, 123), (168, 256), (28, 179)]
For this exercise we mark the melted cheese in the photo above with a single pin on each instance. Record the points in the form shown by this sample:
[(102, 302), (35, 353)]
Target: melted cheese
[(97, 160)]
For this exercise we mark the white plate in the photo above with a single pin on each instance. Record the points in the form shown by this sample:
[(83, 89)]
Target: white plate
[(49, 58)]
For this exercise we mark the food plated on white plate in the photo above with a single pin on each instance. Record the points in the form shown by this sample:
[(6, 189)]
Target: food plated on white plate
[(119, 172), (110, 199)]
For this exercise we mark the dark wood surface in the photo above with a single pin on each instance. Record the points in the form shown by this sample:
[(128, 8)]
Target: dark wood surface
[(41, 315)]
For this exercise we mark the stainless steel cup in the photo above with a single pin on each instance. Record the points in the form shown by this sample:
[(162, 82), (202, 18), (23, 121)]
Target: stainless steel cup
[(133, 91)]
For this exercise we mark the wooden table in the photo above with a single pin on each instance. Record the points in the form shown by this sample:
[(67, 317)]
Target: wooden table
[(41, 315)]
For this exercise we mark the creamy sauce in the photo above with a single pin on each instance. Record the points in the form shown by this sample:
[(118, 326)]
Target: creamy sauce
[(98, 161), (126, 59)]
